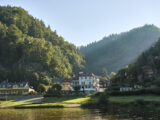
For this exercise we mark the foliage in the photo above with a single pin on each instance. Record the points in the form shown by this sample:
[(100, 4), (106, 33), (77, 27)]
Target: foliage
[(117, 50), (105, 73), (103, 98), (32, 52), (41, 88), (54, 91), (149, 91), (145, 71), (77, 89)]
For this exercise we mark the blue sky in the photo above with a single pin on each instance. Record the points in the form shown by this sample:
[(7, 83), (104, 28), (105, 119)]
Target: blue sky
[(85, 21)]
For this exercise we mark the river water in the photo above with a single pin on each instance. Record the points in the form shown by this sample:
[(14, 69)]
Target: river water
[(55, 114)]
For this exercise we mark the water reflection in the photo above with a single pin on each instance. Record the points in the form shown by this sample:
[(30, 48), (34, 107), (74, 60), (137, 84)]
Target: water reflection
[(54, 114)]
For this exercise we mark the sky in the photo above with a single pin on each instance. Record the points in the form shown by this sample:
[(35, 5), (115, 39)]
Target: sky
[(84, 21)]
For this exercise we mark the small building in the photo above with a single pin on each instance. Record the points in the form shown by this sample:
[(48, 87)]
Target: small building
[(137, 86), (65, 83), (148, 72), (103, 84), (20, 88), (126, 89)]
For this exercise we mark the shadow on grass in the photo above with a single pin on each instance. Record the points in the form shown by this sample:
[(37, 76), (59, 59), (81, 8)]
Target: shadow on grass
[(65, 99)]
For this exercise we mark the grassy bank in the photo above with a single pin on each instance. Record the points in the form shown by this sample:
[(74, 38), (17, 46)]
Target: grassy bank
[(94, 101), (85, 101), (121, 99), (50, 102)]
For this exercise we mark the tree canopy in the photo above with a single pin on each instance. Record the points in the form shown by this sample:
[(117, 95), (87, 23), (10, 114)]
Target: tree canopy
[(145, 71), (29, 49)]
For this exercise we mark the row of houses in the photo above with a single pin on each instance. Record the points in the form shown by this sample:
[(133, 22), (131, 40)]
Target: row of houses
[(87, 82)]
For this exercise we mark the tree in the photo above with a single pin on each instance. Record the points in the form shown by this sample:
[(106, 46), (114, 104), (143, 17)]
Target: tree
[(30, 51), (105, 73), (54, 91), (41, 88), (45, 80), (112, 74), (77, 89)]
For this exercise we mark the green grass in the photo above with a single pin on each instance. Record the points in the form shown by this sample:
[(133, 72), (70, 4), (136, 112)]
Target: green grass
[(133, 98), (67, 99), (46, 105), (2, 103), (52, 102)]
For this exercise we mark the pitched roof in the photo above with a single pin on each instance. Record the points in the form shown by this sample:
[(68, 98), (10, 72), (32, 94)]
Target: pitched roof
[(7, 84), (60, 80)]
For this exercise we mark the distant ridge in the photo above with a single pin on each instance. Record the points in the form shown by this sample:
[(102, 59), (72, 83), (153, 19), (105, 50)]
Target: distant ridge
[(117, 50)]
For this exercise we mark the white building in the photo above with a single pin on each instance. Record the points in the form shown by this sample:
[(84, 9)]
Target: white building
[(87, 82), (126, 89)]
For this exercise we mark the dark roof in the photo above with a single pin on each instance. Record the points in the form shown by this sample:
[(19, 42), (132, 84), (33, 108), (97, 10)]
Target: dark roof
[(85, 74), (10, 84), (60, 80)]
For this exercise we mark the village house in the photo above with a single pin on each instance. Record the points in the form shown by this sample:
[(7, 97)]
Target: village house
[(88, 82), (125, 89), (65, 83), (148, 72), (103, 84), (20, 88)]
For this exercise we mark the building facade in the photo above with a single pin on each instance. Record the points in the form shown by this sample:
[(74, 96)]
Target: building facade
[(65, 83), (20, 88), (88, 82)]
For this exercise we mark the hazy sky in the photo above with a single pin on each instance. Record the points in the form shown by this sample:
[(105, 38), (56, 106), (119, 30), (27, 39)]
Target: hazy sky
[(84, 21)]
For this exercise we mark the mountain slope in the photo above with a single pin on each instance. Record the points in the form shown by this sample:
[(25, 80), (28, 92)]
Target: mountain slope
[(116, 51), (145, 71), (30, 51)]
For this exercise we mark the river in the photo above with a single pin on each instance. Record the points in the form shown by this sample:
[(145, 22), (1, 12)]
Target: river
[(55, 114)]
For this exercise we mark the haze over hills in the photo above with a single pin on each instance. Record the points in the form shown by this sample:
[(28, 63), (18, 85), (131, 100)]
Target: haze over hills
[(118, 50), (145, 71)]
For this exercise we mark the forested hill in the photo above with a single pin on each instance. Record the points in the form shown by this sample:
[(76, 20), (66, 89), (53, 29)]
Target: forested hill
[(145, 71), (30, 51), (117, 50)]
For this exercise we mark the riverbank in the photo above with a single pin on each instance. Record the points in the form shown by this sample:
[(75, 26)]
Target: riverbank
[(80, 101), (128, 106), (50, 102), (95, 102)]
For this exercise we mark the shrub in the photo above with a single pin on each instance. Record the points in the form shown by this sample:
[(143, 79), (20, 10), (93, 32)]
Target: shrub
[(154, 91), (103, 98), (41, 88), (140, 101), (54, 91)]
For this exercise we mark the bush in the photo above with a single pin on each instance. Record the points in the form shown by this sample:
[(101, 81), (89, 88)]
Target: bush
[(103, 98), (54, 91), (41, 88), (154, 91), (140, 101), (97, 94)]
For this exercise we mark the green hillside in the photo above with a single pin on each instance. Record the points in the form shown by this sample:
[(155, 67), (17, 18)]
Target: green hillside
[(118, 50), (145, 71), (30, 51)]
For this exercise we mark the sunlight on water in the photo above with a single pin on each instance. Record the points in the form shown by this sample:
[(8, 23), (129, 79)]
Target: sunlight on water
[(53, 114)]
